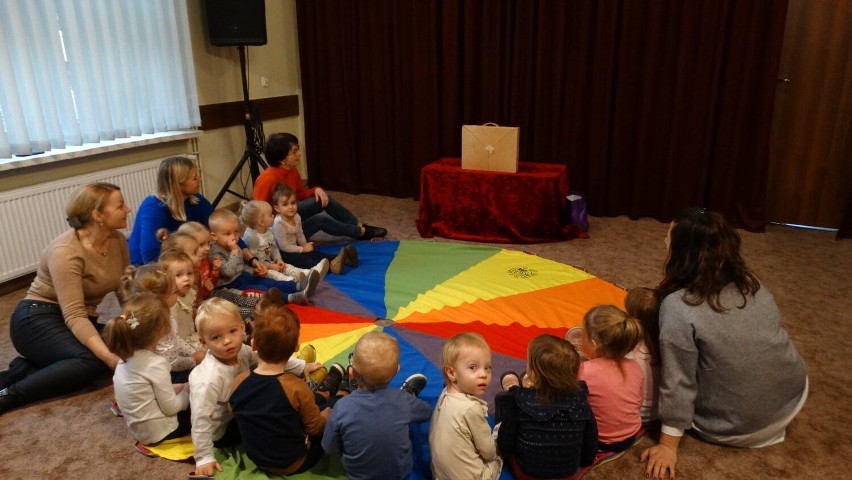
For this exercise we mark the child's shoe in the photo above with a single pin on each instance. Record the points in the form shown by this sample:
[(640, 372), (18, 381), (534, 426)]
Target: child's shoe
[(316, 378), (574, 336), (144, 450), (115, 409), (414, 384), (308, 353), (332, 381), (350, 255), (322, 267), (298, 298), (297, 273), (309, 283), (336, 266), (506, 381)]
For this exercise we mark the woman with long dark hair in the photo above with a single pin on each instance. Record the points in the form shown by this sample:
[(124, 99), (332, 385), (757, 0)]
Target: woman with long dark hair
[(729, 370)]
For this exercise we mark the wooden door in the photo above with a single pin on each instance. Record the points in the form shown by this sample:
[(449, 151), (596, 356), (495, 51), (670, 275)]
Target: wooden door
[(810, 170)]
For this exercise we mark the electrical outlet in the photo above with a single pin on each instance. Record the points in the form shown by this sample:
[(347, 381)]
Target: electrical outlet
[(264, 81)]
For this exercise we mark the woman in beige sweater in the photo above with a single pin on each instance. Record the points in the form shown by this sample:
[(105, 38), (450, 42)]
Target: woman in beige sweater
[(54, 328)]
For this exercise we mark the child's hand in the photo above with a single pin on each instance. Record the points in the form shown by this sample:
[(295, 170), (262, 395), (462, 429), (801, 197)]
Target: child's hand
[(326, 412), (281, 265), (308, 247), (198, 356), (208, 284), (217, 263), (208, 469), (179, 387), (260, 269)]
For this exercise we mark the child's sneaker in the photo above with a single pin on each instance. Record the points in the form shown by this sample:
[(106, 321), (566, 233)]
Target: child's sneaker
[(322, 267), (414, 384), (332, 381), (298, 298), (115, 409), (309, 284), (308, 353), (316, 378), (144, 450), (252, 293)]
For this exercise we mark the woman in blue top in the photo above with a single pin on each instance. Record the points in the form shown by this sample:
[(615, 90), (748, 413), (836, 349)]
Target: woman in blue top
[(177, 201)]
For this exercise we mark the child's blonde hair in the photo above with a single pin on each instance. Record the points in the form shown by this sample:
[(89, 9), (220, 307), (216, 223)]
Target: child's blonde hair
[(613, 333), (177, 241), (215, 307), (220, 217), (251, 212), (145, 319), (375, 359), (643, 304), (275, 329), (193, 229), (553, 363), (453, 347), (150, 277)]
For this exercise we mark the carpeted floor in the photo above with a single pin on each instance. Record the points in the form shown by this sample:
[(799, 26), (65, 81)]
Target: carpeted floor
[(808, 272)]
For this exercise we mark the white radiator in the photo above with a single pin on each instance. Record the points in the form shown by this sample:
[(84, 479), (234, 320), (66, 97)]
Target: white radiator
[(33, 216)]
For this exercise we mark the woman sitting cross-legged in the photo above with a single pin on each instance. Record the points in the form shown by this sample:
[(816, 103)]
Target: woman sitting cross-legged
[(318, 209)]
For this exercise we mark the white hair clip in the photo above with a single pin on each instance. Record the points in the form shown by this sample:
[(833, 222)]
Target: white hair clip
[(132, 322)]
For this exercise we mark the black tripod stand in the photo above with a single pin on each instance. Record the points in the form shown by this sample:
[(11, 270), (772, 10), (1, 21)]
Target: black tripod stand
[(254, 139)]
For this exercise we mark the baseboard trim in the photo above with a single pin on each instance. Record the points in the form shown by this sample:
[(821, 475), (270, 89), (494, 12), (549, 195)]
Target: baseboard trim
[(15, 284)]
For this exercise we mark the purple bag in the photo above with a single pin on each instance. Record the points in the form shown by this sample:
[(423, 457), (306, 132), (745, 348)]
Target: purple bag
[(577, 205)]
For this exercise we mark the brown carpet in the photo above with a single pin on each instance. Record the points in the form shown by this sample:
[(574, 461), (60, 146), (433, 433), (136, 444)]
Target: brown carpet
[(809, 273)]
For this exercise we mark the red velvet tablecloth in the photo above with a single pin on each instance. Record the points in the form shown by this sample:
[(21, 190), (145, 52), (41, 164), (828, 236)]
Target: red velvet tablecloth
[(482, 206)]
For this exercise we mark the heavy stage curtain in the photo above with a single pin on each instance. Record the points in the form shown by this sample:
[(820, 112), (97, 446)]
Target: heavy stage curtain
[(653, 105)]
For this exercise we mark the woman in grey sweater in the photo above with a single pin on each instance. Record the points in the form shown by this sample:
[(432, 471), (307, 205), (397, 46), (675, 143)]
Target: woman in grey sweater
[(729, 370)]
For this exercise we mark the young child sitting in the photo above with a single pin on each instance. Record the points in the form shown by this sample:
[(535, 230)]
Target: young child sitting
[(154, 408), (257, 217), (180, 267), (615, 383), (547, 430), (369, 427), (281, 433), (295, 248), (460, 438), (207, 270), (181, 355), (224, 232), (643, 304), (221, 329)]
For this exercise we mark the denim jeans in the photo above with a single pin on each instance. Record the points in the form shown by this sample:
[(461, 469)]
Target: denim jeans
[(60, 363), (334, 219)]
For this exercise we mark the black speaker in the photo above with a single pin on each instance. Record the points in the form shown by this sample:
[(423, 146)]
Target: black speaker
[(232, 23)]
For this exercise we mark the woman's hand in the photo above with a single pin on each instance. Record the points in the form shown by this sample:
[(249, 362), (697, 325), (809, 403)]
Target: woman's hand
[(661, 458), (321, 196)]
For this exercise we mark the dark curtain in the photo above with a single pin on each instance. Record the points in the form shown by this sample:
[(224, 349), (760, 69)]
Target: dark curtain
[(652, 105)]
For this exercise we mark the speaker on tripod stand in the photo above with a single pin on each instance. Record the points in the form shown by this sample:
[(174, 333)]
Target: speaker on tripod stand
[(240, 23)]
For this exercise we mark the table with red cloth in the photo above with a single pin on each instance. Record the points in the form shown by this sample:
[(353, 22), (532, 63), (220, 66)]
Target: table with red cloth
[(483, 206)]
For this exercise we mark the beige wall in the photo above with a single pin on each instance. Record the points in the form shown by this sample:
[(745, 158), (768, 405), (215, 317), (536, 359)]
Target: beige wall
[(217, 71)]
